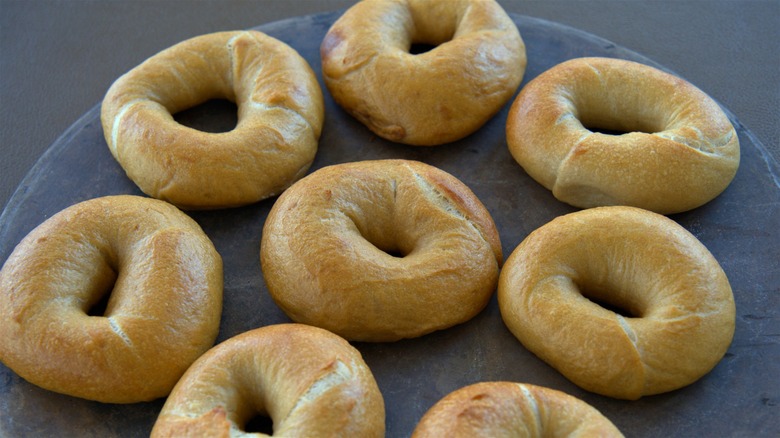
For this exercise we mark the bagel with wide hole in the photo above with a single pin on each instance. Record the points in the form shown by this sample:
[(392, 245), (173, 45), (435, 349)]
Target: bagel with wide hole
[(508, 409), (428, 98), (310, 382), (622, 301), (380, 250), (159, 274), (600, 131), (280, 116)]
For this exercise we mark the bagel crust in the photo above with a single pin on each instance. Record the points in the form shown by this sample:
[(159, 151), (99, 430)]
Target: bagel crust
[(311, 383), (280, 117), (165, 283), (429, 98), (508, 409), (380, 250), (675, 312), (678, 152)]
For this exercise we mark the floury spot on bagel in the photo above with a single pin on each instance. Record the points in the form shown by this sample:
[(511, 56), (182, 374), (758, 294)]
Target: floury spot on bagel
[(429, 98), (280, 117)]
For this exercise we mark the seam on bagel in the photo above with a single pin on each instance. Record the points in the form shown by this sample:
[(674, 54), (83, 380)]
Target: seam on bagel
[(531, 401), (337, 373), (120, 115), (116, 328), (267, 107), (627, 329), (437, 197)]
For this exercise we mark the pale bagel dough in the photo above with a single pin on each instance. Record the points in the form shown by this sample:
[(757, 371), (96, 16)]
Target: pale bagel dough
[(675, 317), (430, 98), (380, 250), (164, 278), (679, 149), (280, 116), (309, 381), (508, 409)]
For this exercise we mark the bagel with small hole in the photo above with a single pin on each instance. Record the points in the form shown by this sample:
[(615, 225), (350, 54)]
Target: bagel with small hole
[(428, 98), (162, 279), (669, 146), (280, 117), (380, 250), (508, 409), (310, 382), (622, 301)]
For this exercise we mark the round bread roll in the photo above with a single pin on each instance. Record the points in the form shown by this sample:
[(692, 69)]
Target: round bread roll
[(309, 381), (280, 116), (380, 250), (429, 98), (678, 151), (162, 279), (508, 409), (622, 301)]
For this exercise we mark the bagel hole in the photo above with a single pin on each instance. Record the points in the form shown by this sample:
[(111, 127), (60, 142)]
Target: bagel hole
[(214, 116), (99, 307), (609, 301), (419, 48), (99, 295), (618, 124), (606, 131), (259, 423)]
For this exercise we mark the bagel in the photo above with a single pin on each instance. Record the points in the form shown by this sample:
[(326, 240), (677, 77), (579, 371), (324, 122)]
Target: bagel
[(380, 250), (678, 151), (430, 98), (309, 381), (668, 312), (164, 278), (280, 116), (494, 409)]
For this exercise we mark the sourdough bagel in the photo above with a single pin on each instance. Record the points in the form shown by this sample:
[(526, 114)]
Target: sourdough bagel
[(675, 310), (678, 152), (164, 278), (280, 116), (429, 98), (504, 409), (309, 381), (380, 250)]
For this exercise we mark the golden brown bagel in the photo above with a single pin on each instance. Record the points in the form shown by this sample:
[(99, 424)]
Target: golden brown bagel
[(678, 152), (675, 317), (164, 278), (380, 250), (508, 409), (280, 116), (430, 98), (309, 381)]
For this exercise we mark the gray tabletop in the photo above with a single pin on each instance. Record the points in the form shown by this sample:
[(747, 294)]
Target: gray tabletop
[(58, 58)]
